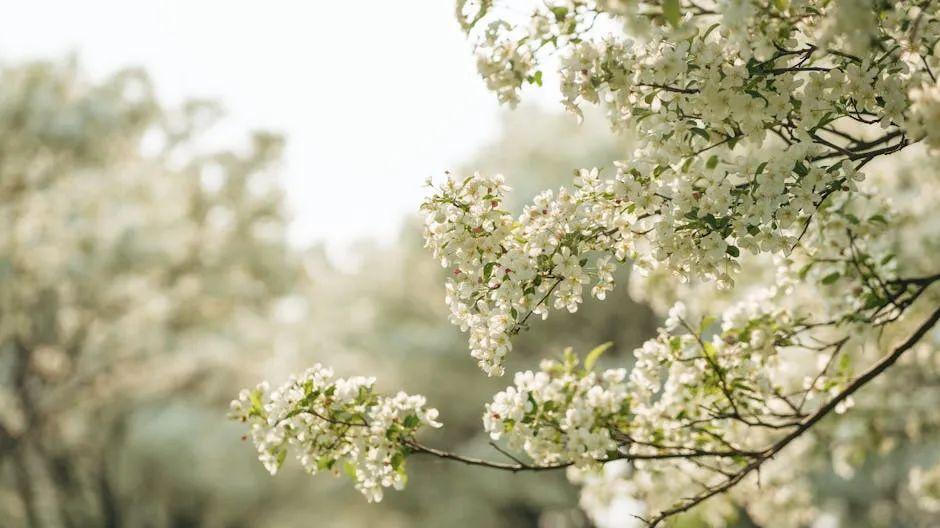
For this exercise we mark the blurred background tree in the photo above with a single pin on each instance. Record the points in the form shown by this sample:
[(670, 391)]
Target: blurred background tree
[(132, 266)]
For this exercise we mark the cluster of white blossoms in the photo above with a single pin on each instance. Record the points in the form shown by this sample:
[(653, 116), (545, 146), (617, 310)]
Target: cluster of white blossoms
[(683, 383), (505, 269), (562, 414), (335, 424), (738, 65)]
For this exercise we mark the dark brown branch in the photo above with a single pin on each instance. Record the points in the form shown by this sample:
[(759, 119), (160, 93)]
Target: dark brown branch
[(680, 452), (873, 372), (673, 89), (423, 449), (919, 281)]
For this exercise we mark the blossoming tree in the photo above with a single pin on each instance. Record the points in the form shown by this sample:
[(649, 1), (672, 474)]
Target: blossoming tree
[(126, 276), (779, 205)]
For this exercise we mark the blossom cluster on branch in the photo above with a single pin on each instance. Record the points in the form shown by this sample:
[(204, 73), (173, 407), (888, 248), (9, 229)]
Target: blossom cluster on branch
[(504, 270), (335, 424), (562, 414)]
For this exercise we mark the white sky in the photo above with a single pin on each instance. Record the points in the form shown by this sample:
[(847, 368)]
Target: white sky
[(374, 96)]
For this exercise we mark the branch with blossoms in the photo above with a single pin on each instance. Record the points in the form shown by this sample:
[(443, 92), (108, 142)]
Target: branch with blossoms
[(506, 269), (335, 425), (804, 425), (753, 122), (569, 415)]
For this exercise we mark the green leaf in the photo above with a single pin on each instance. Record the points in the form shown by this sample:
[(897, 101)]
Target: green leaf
[(350, 469), (781, 4), (709, 30), (845, 363), (397, 460), (412, 421), (281, 455), (800, 169), (872, 300), (488, 270), (255, 397), (392, 432), (805, 270), (325, 462), (712, 162), (535, 78), (594, 354), (733, 251), (560, 12), (832, 277), (671, 12), (701, 132)]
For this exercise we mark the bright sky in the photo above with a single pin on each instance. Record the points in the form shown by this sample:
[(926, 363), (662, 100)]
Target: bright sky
[(374, 96)]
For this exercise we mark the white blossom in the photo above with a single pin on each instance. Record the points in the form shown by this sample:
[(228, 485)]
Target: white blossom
[(335, 424)]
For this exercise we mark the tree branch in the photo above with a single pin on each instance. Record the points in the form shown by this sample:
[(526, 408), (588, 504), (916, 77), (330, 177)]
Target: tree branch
[(873, 372)]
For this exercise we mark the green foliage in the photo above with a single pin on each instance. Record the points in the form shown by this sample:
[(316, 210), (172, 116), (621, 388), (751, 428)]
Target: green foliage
[(591, 358), (672, 11)]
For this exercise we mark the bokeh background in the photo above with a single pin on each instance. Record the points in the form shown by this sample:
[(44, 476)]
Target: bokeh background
[(195, 196)]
